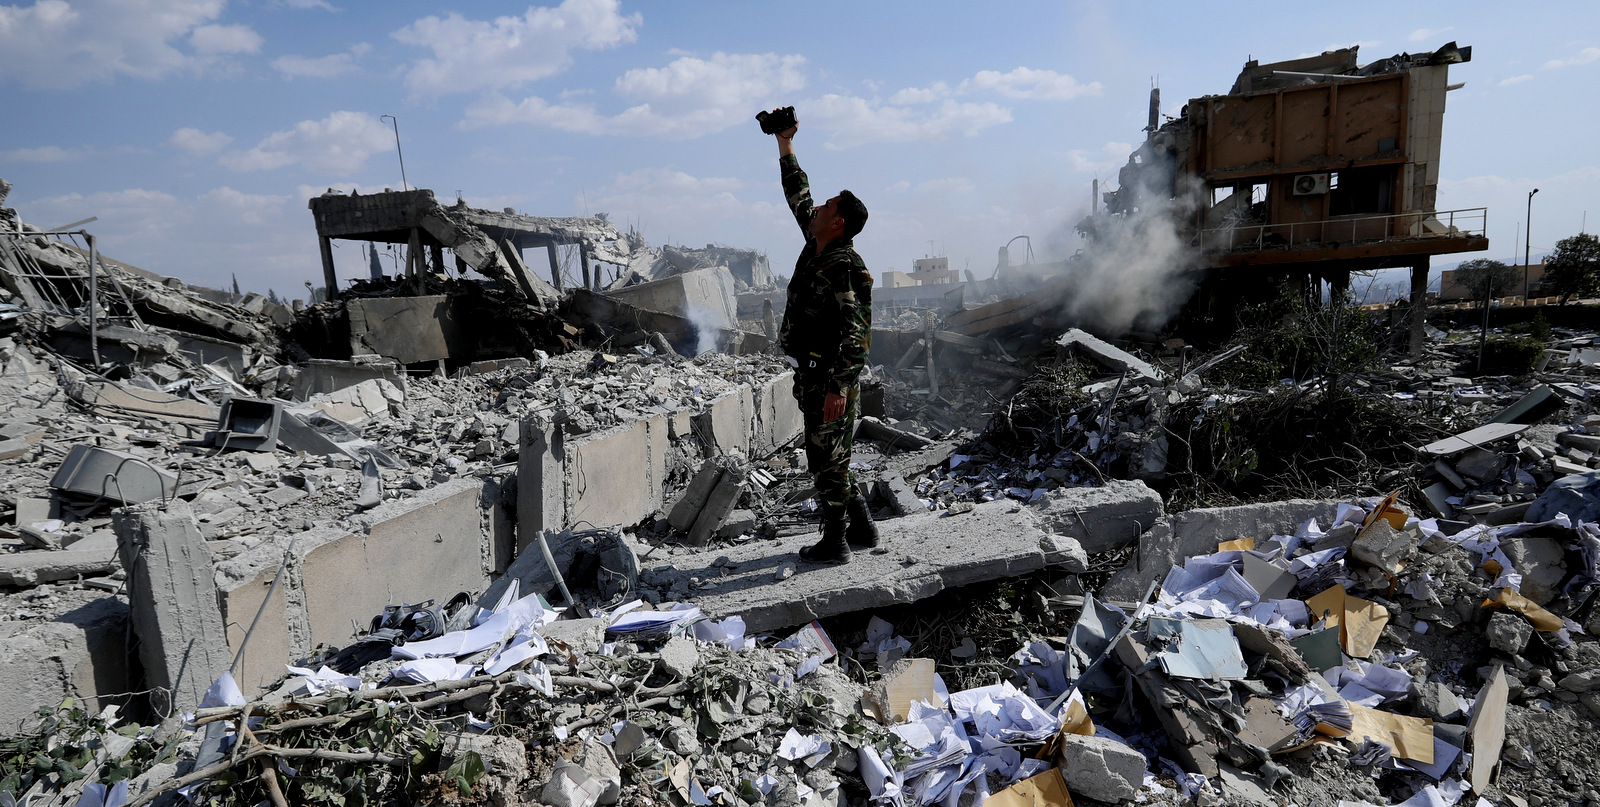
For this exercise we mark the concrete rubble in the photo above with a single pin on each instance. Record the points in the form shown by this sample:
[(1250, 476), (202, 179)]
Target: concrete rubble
[(474, 531)]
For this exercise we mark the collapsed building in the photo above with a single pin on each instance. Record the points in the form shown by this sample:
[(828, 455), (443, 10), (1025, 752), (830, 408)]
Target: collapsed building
[(366, 550)]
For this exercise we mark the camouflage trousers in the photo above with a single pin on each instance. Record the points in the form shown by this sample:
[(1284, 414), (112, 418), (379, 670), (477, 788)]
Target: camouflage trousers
[(828, 445)]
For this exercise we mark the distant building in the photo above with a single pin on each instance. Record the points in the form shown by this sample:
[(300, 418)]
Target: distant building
[(932, 271), (895, 280), (1451, 291)]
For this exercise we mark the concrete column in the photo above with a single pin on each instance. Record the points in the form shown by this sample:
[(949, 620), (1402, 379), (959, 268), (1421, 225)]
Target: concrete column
[(541, 479), (1419, 305), (437, 253), (583, 256), (172, 590), (1338, 285), (555, 266), (329, 279)]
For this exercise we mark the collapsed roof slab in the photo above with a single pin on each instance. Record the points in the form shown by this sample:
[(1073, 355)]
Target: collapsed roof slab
[(477, 237), (917, 557)]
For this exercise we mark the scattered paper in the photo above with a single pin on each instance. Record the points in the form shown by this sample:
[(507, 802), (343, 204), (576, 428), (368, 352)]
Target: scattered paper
[(1360, 622), (1541, 619), (1408, 737), (1047, 789), (809, 747)]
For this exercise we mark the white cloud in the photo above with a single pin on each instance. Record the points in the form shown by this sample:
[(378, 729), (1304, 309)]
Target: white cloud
[(44, 154), (899, 187), (946, 186), (1027, 83), (921, 95), (855, 121), (54, 44), (1584, 56), (200, 143), (322, 4), (687, 98), (248, 208), (338, 144), (687, 209), (1506, 82), (474, 54), (261, 238), (216, 40), (337, 64), (1423, 34), (1109, 156)]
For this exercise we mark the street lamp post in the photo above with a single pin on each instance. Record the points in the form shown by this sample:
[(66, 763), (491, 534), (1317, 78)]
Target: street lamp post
[(402, 156), (1527, 247)]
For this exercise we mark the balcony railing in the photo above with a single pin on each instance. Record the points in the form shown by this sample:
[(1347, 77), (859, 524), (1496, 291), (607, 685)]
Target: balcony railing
[(1469, 222)]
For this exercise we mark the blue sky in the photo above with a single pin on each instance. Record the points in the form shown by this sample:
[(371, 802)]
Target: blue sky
[(197, 129)]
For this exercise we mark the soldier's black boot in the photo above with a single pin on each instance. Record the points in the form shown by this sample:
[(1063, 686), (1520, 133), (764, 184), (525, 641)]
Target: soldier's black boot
[(862, 533), (832, 548)]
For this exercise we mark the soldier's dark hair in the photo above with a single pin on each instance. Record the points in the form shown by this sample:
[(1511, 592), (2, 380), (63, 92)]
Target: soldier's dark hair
[(853, 212)]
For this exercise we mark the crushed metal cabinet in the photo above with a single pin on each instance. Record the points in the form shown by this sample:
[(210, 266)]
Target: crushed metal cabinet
[(248, 423), (101, 473)]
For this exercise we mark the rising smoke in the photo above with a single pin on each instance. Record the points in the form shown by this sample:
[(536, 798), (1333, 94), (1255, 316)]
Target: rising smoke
[(1137, 267)]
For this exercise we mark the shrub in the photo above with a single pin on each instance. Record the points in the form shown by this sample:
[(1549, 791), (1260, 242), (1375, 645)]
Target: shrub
[(1512, 355)]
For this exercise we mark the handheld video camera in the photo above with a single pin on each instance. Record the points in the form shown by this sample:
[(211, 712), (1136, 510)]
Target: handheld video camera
[(778, 120)]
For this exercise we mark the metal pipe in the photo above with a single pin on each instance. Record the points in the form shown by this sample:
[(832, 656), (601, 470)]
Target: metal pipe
[(550, 563), (1527, 247), (398, 153), (94, 304)]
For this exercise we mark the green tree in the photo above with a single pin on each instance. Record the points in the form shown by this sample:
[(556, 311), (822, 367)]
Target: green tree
[(1573, 270), (1485, 278)]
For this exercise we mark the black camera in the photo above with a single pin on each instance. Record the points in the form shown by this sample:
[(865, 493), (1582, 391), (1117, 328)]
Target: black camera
[(778, 120)]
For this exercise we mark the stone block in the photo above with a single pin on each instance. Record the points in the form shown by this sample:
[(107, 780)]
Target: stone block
[(426, 547), (1542, 563), (1101, 518), (1100, 768), (1383, 546), (582, 635), (902, 499), (80, 654), (1508, 632)]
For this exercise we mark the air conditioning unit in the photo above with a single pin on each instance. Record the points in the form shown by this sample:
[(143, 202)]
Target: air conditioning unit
[(1310, 184)]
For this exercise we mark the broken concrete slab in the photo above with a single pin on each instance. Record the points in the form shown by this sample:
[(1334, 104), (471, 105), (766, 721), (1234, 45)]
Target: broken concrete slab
[(1383, 546), (1197, 532), (1483, 435), (917, 557), (1109, 356), (705, 296), (724, 497), (1101, 518), (692, 499), (902, 499), (183, 645), (33, 568)]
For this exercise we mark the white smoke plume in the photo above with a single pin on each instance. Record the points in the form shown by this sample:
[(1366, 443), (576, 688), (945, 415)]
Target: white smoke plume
[(1137, 267)]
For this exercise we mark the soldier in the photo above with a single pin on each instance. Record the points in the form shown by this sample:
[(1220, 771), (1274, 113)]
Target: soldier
[(827, 331)]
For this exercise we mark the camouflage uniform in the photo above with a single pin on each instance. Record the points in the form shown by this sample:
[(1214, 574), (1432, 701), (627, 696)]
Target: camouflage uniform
[(827, 328)]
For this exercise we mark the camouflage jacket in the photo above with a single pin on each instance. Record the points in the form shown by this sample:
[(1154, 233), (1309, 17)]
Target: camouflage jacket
[(827, 324)]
